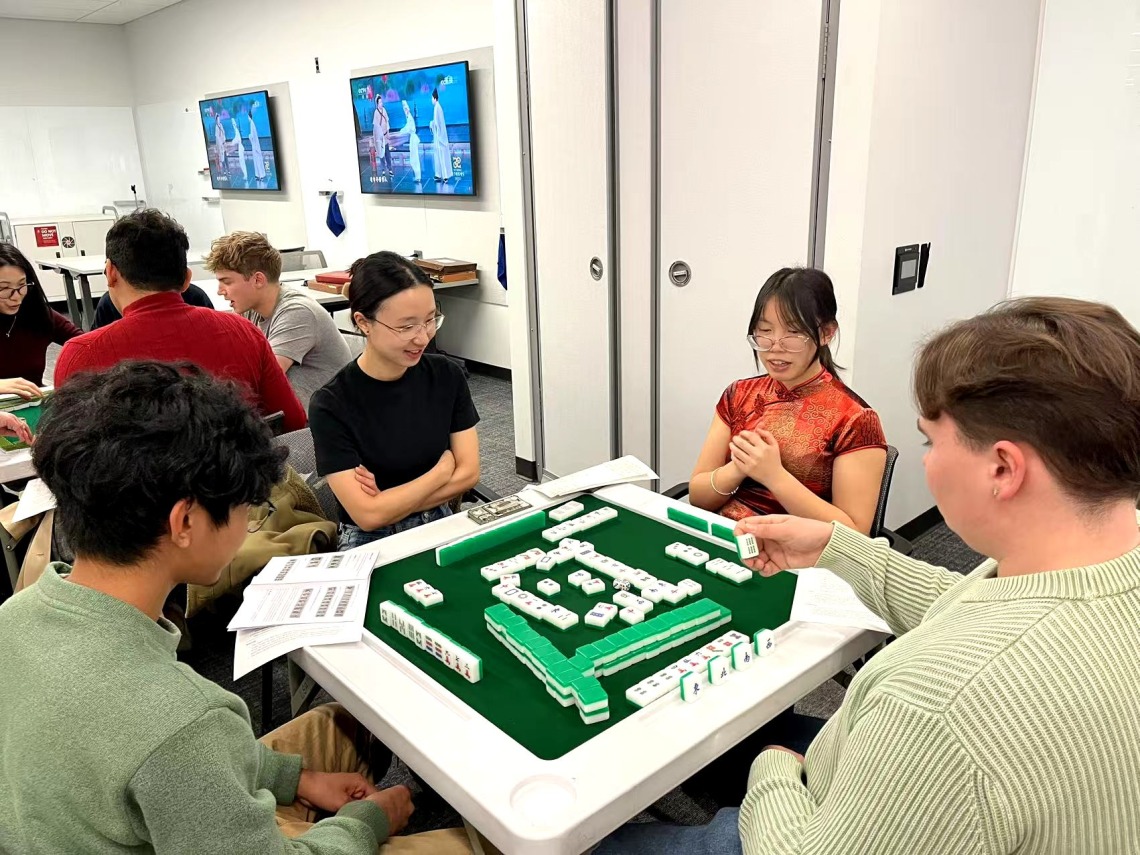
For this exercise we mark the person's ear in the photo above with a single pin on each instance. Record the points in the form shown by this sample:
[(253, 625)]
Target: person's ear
[(181, 523), (827, 333), (114, 277), (359, 321), (1007, 469)]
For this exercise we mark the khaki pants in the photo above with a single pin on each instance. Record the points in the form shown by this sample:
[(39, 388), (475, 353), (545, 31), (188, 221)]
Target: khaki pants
[(330, 740)]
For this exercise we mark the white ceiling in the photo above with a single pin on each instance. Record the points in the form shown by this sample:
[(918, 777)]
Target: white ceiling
[(84, 11)]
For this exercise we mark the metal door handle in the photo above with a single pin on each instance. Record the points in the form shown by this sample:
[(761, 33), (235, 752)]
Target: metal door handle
[(680, 273), (596, 268)]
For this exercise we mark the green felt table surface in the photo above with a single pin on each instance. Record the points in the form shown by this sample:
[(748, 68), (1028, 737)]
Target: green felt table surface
[(29, 414), (509, 695)]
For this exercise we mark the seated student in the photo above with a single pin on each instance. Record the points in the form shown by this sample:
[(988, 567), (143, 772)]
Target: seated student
[(146, 273), (27, 326), (1004, 718), (794, 440), (308, 346), (111, 744), (106, 313), (394, 431)]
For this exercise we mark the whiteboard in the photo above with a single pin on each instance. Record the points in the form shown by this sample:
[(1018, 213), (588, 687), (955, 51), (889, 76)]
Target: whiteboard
[(71, 159)]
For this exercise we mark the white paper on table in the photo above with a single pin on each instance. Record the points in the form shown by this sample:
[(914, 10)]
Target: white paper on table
[(624, 470), (323, 567), (35, 499), (254, 647), (321, 603), (823, 597)]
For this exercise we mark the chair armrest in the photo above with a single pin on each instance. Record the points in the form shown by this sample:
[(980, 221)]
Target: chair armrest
[(898, 542), (483, 493), (677, 491)]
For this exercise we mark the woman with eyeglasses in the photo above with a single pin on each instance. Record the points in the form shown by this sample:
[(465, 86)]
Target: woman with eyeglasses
[(27, 326), (794, 440), (394, 430)]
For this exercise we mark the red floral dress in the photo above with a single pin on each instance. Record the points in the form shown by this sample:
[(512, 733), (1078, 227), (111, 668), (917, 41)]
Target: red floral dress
[(814, 423)]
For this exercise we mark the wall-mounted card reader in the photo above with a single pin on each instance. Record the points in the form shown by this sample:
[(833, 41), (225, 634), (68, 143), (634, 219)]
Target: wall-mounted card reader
[(910, 267)]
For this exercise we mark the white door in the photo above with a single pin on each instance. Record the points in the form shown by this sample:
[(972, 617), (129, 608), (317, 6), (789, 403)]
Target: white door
[(566, 54), (738, 88)]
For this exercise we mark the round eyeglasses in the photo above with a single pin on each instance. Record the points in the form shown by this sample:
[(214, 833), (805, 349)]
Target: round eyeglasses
[(9, 293), (794, 343), (409, 332)]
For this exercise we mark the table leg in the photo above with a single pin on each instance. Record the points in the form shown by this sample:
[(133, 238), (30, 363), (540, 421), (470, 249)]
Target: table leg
[(88, 307), (302, 689), (72, 301)]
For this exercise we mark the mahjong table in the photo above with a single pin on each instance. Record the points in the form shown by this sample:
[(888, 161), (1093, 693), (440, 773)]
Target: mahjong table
[(544, 735)]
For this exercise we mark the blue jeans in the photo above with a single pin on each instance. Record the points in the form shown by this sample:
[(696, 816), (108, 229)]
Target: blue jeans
[(351, 536), (719, 837)]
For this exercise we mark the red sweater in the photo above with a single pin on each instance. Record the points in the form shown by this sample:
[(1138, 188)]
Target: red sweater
[(163, 327), (23, 351)]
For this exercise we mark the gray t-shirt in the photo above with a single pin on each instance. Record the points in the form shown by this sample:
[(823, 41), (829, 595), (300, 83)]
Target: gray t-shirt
[(301, 330)]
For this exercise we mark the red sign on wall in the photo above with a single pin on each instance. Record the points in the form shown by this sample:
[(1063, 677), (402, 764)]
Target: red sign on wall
[(47, 235)]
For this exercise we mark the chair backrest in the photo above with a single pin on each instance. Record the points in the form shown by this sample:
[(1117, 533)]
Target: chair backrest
[(884, 491), (302, 259), (276, 422), (303, 458)]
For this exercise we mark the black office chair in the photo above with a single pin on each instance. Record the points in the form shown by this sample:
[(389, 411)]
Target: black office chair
[(276, 422), (898, 543)]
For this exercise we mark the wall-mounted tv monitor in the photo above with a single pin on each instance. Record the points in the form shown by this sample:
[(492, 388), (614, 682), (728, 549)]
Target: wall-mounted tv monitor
[(240, 143), (414, 131)]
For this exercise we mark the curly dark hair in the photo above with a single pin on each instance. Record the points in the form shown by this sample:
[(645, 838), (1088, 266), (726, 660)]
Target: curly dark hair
[(119, 448)]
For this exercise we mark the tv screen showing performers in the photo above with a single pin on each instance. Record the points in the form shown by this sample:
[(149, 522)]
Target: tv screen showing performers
[(239, 142), (413, 131)]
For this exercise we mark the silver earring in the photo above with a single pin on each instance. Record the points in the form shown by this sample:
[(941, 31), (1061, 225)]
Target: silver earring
[(995, 492)]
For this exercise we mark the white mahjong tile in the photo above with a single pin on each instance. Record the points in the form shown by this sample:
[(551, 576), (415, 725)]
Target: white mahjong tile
[(578, 577), (631, 615), (673, 594), (693, 686), (742, 655), (719, 669), (548, 587), (653, 594), (735, 637), (746, 546), (512, 580), (569, 543), (608, 608), (691, 587), (765, 642), (592, 587), (564, 621), (550, 535), (433, 598), (674, 549), (546, 563), (598, 618)]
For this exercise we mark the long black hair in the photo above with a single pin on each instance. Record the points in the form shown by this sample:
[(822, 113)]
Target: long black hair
[(34, 314), (805, 301), (377, 277)]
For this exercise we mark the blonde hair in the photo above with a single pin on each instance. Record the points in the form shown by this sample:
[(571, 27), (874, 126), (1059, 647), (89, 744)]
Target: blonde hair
[(245, 253)]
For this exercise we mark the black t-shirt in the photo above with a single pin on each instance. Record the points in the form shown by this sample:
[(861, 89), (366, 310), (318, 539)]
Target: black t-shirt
[(106, 313), (397, 428)]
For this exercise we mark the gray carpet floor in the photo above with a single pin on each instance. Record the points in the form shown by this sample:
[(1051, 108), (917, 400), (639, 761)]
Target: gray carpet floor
[(212, 652)]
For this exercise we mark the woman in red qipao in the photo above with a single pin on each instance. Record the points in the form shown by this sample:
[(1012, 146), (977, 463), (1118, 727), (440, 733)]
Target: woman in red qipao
[(794, 440)]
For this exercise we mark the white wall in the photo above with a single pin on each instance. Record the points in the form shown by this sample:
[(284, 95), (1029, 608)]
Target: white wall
[(1080, 215), (50, 64), (173, 68), (931, 114), (67, 141)]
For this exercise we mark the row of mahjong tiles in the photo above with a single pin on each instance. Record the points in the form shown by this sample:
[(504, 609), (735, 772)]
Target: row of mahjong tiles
[(515, 700)]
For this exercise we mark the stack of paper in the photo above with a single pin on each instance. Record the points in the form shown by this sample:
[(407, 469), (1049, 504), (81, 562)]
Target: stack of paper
[(300, 601), (624, 470), (822, 597)]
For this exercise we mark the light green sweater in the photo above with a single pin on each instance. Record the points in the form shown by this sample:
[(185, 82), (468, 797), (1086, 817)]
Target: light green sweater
[(1005, 719), (109, 745)]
